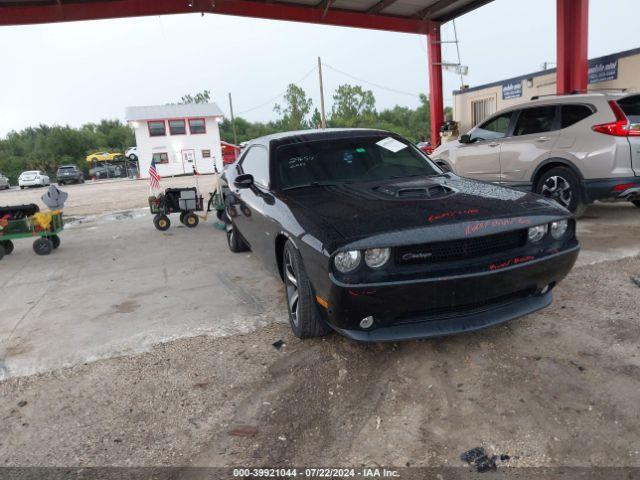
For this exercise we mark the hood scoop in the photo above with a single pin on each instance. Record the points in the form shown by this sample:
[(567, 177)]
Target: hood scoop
[(414, 192)]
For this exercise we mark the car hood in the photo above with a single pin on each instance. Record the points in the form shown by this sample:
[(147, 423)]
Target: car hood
[(438, 208)]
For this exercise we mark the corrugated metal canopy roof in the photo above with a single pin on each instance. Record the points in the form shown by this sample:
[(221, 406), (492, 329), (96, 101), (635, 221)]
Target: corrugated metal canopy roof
[(396, 15)]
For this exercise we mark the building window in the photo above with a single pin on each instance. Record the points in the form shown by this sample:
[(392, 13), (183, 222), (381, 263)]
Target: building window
[(161, 157), (206, 153), (196, 125), (481, 109), (157, 128), (177, 127)]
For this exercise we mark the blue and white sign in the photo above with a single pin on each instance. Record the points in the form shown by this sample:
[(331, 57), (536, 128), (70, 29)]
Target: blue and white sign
[(603, 71), (511, 90)]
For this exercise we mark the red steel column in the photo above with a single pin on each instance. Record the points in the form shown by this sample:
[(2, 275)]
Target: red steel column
[(572, 41), (436, 105)]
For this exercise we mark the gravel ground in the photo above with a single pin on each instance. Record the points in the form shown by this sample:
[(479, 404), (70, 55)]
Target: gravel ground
[(557, 388)]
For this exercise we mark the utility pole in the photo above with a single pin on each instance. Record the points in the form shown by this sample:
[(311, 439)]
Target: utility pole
[(324, 117), (233, 121)]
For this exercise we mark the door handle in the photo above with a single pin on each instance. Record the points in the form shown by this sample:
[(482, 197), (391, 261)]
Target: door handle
[(542, 139)]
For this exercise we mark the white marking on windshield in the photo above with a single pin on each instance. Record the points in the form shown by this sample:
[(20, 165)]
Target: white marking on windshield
[(391, 144)]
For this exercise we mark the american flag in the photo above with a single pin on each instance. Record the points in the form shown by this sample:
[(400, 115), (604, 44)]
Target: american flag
[(154, 177)]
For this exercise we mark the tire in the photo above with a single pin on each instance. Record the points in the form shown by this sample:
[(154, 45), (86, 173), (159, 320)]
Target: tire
[(191, 220), (21, 187), (445, 168), (55, 241), (7, 247), (182, 214), (636, 203), (304, 317), (161, 222), (234, 240), (133, 158), (563, 186), (1, 253), (43, 246)]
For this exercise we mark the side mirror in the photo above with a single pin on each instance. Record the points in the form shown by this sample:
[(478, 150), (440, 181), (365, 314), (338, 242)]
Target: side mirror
[(244, 181), (466, 138)]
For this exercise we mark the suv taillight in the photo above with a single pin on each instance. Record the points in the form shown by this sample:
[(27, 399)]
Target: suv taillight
[(621, 127)]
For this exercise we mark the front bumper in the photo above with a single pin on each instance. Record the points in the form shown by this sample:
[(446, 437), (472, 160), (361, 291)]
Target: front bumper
[(446, 305)]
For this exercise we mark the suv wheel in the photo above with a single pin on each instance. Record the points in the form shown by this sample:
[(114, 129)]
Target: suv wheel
[(563, 186), (303, 314)]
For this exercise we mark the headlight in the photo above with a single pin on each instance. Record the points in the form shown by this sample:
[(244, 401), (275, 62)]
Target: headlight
[(346, 262), (376, 257), (559, 228), (537, 233)]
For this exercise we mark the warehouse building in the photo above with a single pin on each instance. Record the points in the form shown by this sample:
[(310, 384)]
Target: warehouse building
[(179, 138), (619, 71)]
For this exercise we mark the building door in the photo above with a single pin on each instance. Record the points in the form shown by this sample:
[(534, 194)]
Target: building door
[(188, 160)]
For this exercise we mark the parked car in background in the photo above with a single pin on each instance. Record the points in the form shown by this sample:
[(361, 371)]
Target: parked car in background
[(104, 156), (33, 178), (4, 182), (131, 153), (107, 171), (573, 148), (69, 174), (373, 240), (425, 147)]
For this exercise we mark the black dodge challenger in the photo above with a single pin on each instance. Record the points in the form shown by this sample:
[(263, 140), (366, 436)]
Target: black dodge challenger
[(375, 241)]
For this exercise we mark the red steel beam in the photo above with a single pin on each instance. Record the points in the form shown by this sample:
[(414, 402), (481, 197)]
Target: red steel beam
[(436, 102), (67, 12), (572, 41)]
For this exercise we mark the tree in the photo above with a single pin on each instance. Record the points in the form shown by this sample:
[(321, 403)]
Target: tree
[(201, 97), (295, 111), (352, 106)]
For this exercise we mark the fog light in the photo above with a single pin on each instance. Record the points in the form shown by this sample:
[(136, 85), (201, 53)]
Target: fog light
[(545, 289), (366, 322)]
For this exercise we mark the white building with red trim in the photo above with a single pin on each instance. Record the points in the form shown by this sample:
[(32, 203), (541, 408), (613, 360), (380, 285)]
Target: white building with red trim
[(178, 137)]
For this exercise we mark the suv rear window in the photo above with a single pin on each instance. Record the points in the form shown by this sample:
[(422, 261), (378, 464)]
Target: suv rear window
[(631, 108), (535, 120), (571, 114)]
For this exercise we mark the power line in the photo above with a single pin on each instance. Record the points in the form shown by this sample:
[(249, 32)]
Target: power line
[(281, 94), (382, 87)]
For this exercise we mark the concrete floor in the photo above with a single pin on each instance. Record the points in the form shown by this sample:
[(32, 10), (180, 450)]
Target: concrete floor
[(117, 286), (168, 342)]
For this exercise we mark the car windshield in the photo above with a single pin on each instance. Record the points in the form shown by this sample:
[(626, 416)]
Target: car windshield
[(361, 159), (66, 168)]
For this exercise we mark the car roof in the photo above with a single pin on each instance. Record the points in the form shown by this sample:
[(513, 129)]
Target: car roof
[(318, 134), (67, 166)]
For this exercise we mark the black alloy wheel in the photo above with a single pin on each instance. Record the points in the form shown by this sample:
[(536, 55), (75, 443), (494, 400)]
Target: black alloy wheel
[(234, 241), (304, 317)]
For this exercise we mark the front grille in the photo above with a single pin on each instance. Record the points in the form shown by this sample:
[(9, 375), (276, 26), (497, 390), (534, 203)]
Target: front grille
[(441, 312), (463, 249)]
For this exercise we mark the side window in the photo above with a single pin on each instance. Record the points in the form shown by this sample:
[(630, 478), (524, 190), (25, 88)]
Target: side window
[(570, 114), (535, 120), (493, 128), (256, 162)]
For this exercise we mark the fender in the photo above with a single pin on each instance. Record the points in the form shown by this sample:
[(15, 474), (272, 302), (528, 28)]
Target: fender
[(563, 161)]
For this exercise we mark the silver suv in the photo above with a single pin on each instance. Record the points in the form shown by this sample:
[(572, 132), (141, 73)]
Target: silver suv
[(573, 148)]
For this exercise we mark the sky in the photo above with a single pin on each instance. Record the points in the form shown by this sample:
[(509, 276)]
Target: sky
[(79, 72)]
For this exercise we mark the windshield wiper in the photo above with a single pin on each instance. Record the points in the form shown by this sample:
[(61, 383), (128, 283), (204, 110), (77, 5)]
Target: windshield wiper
[(310, 184)]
